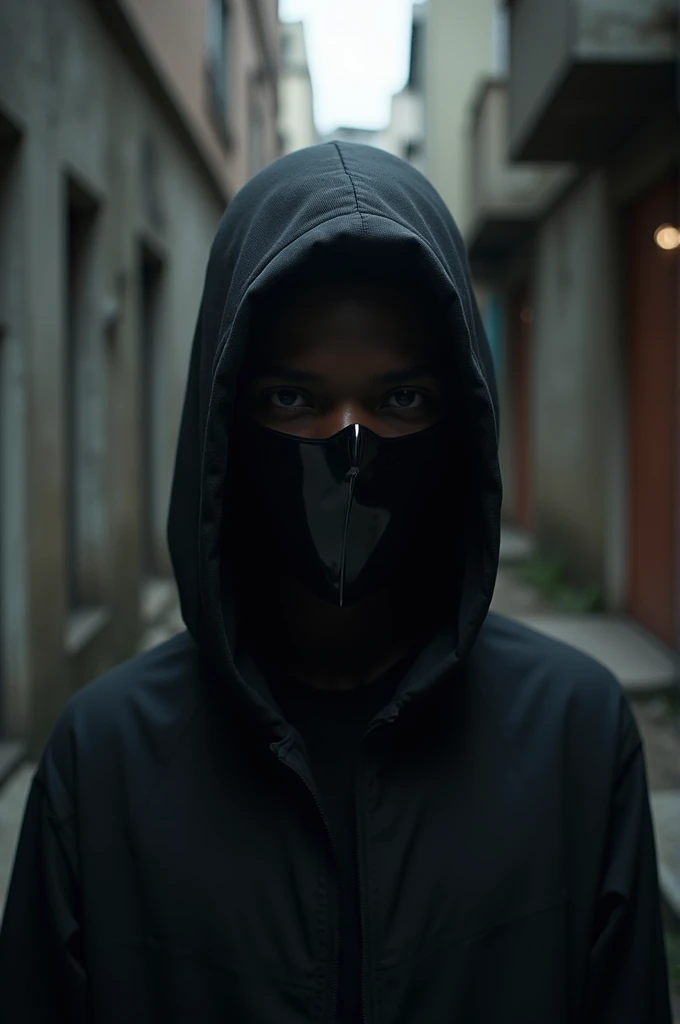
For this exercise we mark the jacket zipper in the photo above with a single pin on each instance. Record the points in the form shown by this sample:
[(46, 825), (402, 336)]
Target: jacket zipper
[(362, 908), (336, 951)]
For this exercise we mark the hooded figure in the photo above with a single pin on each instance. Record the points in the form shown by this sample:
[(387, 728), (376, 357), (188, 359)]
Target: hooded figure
[(347, 792)]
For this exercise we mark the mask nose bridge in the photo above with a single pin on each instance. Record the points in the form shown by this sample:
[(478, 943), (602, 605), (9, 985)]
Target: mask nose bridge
[(355, 447)]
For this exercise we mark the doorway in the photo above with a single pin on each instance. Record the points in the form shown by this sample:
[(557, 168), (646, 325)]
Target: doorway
[(151, 273), (520, 316), (653, 276)]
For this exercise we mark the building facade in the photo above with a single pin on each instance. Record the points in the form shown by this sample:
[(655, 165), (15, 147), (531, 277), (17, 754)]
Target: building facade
[(461, 49), (580, 247), (125, 127), (404, 136), (296, 96)]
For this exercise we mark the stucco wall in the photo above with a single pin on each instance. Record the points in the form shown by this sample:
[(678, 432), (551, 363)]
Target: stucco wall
[(82, 114)]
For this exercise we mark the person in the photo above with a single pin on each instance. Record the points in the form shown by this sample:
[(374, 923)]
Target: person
[(347, 792)]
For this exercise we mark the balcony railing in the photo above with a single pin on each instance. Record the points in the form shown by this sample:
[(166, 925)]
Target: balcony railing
[(584, 73)]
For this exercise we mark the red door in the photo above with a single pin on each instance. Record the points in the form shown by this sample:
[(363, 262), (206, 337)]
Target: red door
[(653, 413), (519, 338)]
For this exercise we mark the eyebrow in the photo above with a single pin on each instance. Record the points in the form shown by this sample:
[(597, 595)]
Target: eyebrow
[(294, 376), (410, 373)]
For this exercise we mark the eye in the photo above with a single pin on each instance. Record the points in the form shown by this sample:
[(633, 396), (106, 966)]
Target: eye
[(287, 398), (405, 398)]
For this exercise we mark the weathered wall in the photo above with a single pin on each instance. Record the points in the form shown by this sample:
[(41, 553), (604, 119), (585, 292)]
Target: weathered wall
[(82, 113), (174, 32), (577, 384)]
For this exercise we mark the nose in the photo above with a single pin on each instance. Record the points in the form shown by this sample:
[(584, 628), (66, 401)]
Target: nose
[(336, 419)]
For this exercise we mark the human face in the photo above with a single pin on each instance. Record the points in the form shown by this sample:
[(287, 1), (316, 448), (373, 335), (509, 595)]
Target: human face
[(335, 359)]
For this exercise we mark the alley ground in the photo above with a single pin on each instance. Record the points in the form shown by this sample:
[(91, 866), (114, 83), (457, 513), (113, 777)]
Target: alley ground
[(647, 671)]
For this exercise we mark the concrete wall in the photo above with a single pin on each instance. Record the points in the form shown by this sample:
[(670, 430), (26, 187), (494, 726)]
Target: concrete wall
[(460, 49), (578, 388), (83, 115)]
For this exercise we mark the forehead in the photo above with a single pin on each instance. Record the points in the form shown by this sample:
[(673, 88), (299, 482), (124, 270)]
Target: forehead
[(337, 318)]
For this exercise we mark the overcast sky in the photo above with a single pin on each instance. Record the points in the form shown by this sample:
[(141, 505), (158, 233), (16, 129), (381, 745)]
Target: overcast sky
[(358, 56)]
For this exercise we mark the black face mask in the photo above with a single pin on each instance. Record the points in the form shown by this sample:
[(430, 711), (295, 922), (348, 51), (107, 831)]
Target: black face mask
[(345, 515)]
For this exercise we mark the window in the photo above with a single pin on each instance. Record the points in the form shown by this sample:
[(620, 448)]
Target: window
[(415, 76), (151, 277), (501, 41), (84, 406), (413, 150), (218, 48), (14, 611)]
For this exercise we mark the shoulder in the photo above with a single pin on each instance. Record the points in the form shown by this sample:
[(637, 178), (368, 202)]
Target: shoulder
[(161, 678), (534, 683), (132, 714), (532, 656)]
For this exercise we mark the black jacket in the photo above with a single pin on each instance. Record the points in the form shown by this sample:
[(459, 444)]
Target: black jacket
[(173, 864)]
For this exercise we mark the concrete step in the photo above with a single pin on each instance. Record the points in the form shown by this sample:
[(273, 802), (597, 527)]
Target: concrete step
[(13, 797), (666, 817), (12, 753), (157, 599), (644, 666), (517, 545)]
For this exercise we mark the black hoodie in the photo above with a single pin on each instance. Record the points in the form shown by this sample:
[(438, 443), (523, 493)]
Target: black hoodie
[(173, 863)]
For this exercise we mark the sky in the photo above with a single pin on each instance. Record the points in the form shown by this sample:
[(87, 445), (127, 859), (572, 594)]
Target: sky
[(358, 56)]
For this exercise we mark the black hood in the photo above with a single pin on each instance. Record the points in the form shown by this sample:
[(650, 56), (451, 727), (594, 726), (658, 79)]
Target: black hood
[(303, 206)]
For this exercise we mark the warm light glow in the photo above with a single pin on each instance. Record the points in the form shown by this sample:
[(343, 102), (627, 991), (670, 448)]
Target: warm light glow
[(667, 237)]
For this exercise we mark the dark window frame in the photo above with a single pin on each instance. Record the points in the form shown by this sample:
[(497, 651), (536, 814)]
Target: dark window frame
[(218, 66)]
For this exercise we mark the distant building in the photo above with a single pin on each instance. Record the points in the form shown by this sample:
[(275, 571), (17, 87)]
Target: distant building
[(461, 47), (125, 128), (405, 134), (367, 136), (296, 96)]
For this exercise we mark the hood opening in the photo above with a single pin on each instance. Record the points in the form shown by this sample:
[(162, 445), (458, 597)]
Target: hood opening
[(329, 203)]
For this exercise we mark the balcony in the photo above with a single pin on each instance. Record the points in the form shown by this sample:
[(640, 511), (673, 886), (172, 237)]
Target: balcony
[(585, 73), (506, 200)]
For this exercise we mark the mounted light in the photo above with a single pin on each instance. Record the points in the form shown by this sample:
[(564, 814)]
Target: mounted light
[(667, 237)]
